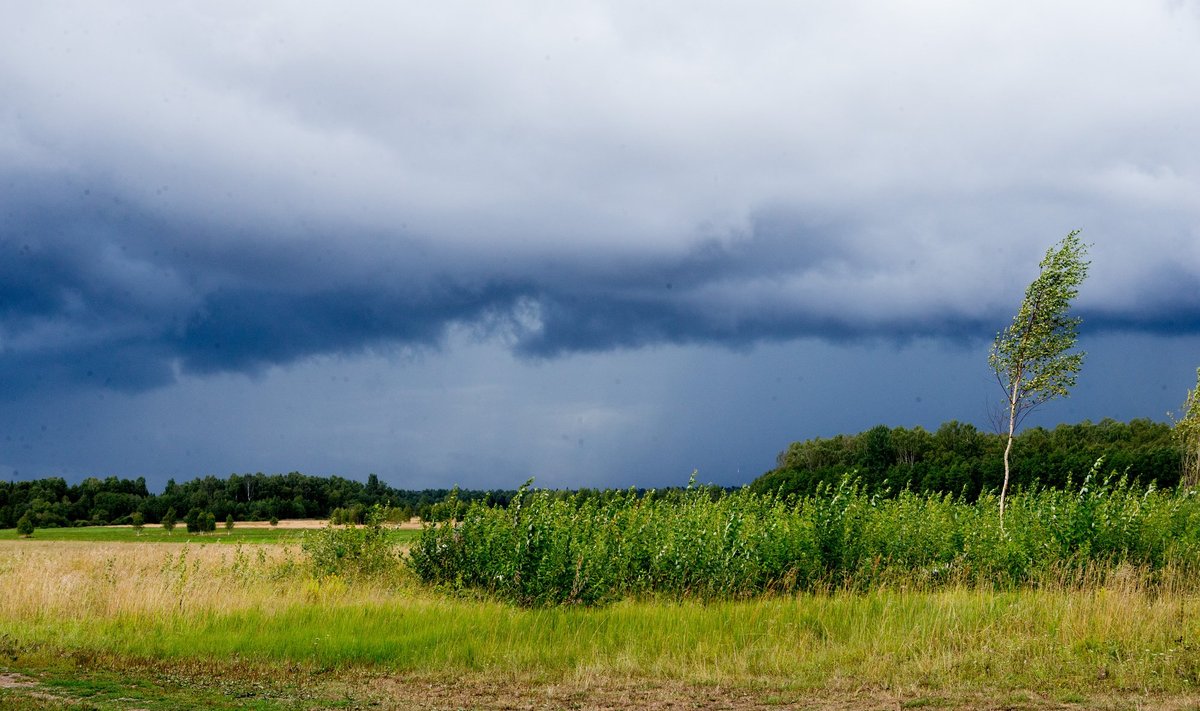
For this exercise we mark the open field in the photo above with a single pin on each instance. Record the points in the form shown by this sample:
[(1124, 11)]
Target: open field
[(152, 626), (286, 532)]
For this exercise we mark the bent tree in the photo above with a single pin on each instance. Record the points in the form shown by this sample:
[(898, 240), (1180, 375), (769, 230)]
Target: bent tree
[(1032, 357)]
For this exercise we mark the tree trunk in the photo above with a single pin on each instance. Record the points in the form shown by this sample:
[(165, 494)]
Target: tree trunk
[(1191, 464), (1012, 426)]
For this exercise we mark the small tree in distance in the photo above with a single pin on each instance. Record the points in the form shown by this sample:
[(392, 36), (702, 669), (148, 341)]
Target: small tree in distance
[(1030, 357), (229, 522), (194, 520), (25, 526), (138, 520), (168, 520)]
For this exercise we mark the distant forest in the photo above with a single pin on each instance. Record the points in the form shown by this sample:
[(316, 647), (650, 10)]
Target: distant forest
[(52, 502), (957, 459)]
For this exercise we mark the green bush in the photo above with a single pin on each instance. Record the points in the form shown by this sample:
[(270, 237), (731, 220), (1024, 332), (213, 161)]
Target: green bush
[(25, 526), (545, 549), (351, 551)]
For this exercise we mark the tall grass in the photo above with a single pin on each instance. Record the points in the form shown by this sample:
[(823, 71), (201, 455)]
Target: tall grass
[(263, 607), (546, 550)]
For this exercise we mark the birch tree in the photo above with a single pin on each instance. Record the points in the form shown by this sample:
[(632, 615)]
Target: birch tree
[(1032, 357)]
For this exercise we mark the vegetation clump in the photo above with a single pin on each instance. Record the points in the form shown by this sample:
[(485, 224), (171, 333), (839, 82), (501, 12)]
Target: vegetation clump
[(1187, 431), (708, 544), (351, 551)]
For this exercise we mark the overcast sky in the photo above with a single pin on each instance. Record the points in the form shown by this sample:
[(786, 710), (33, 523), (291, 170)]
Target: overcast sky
[(594, 243)]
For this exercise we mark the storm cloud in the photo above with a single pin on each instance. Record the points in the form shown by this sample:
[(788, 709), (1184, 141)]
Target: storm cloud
[(216, 189)]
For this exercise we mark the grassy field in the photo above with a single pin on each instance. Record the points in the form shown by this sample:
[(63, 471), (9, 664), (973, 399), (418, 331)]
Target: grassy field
[(156, 534), (151, 626)]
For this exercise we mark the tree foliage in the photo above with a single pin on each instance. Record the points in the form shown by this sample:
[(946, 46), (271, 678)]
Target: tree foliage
[(52, 502), (1187, 430), (959, 459), (1032, 357)]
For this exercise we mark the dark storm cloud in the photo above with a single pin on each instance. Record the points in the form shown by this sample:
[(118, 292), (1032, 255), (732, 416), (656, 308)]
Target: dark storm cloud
[(88, 297), (251, 328), (1167, 303), (222, 189)]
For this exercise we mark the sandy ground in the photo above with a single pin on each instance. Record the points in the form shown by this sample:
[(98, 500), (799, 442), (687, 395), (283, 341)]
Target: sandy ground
[(416, 694)]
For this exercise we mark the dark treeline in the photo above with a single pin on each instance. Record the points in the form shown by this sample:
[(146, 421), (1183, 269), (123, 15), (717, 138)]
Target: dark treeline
[(962, 460), (52, 502), (957, 458)]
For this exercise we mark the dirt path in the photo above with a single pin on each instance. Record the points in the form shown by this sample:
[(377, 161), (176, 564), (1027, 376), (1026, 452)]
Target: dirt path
[(414, 695), (399, 693)]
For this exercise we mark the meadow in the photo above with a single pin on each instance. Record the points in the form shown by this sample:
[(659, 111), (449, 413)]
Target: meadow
[(148, 625), (241, 533)]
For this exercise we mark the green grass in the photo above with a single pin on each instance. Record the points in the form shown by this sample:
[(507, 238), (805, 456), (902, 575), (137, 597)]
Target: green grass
[(76, 682), (169, 627), (156, 534), (1050, 640)]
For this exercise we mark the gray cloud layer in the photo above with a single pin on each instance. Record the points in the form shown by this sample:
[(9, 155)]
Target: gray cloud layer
[(223, 189)]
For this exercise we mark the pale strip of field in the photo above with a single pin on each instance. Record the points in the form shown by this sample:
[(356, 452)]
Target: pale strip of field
[(300, 523)]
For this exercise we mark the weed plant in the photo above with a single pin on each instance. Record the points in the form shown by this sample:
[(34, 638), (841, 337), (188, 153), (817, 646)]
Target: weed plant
[(547, 550), (349, 551)]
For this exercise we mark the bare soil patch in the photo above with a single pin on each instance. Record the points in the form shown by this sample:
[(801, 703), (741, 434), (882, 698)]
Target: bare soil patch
[(414, 694), (482, 692), (15, 681)]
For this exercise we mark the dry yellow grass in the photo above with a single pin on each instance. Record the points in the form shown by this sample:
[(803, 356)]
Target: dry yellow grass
[(104, 580)]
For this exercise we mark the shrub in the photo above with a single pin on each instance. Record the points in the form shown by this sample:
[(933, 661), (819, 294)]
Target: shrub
[(193, 520), (544, 549), (25, 526), (138, 521), (350, 551)]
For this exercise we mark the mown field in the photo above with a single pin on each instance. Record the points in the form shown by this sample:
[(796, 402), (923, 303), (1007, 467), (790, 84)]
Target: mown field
[(123, 625), (156, 534)]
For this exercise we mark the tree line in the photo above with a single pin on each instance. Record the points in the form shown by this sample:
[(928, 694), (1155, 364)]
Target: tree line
[(956, 458), (959, 459), (52, 502)]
